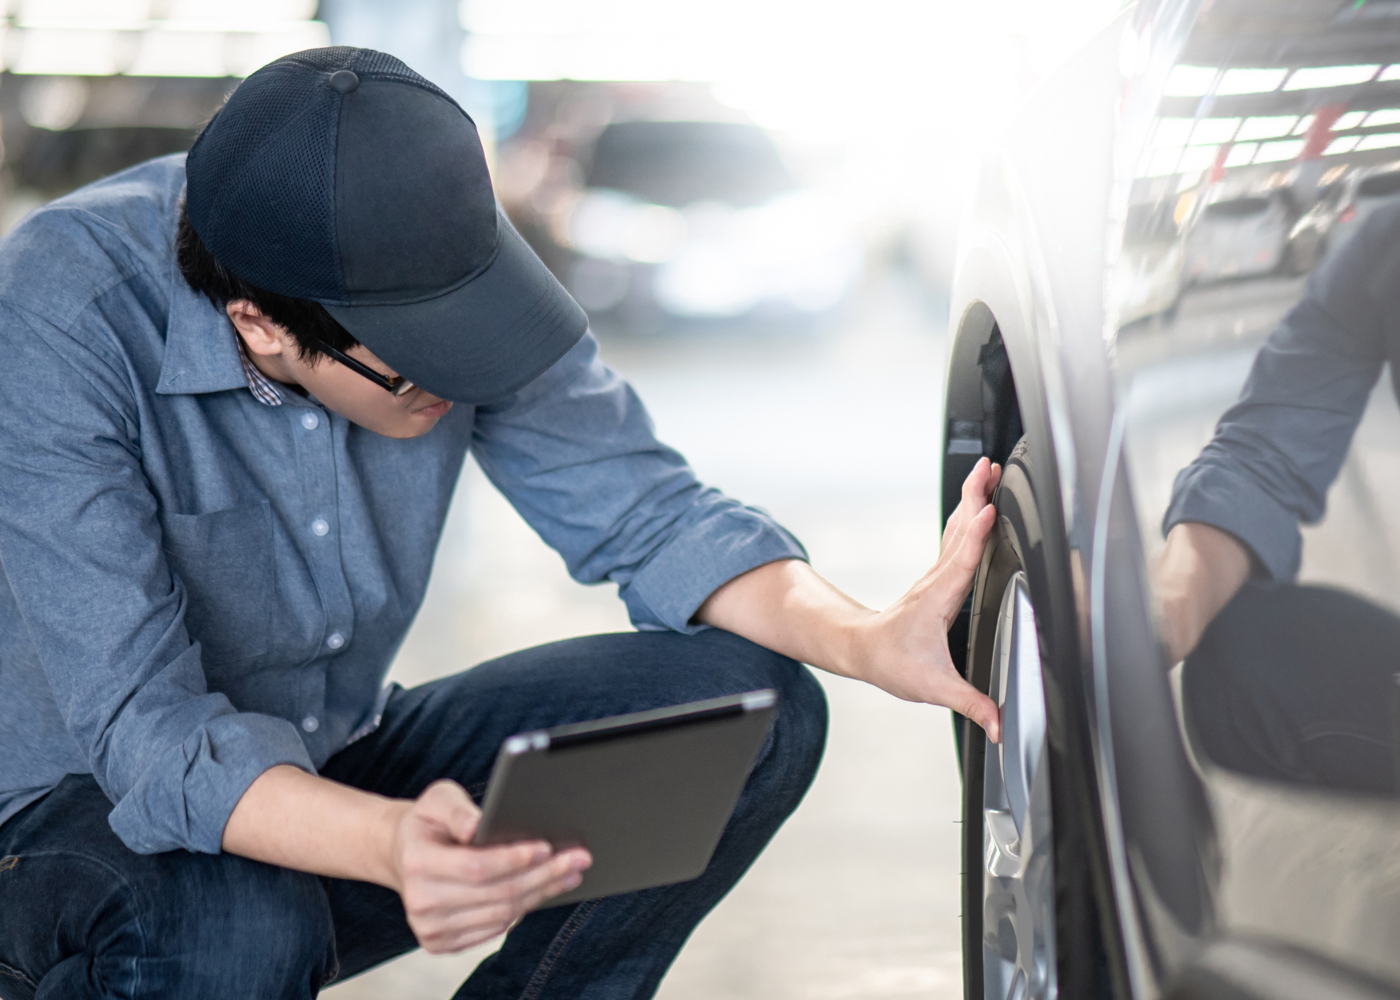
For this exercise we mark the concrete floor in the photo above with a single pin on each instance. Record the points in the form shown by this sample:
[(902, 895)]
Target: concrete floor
[(838, 437)]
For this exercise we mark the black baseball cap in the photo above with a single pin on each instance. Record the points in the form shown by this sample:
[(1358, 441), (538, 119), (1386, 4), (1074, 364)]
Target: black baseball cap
[(341, 176)]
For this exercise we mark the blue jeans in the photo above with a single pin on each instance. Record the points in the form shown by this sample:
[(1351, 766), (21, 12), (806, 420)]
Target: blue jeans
[(83, 917)]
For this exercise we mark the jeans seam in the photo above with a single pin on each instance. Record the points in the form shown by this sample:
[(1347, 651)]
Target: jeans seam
[(11, 971), (126, 887), (576, 920)]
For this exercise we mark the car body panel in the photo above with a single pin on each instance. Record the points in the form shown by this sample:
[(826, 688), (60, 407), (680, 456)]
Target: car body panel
[(1120, 373)]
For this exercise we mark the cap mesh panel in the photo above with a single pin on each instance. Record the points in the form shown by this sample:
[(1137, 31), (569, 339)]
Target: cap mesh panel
[(261, 178)]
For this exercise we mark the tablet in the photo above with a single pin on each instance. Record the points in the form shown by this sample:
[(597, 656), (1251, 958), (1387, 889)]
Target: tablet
[(648, 793)]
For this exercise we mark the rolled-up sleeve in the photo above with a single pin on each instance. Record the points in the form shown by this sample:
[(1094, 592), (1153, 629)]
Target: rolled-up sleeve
[(1276, 452), (81, 547), (575, 453)]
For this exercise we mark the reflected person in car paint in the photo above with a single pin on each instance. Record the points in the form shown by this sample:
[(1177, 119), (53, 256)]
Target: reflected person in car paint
[(1282, 681)]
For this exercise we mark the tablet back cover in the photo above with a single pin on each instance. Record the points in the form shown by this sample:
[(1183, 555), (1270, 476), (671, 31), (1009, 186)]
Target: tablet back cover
[(649, 805)]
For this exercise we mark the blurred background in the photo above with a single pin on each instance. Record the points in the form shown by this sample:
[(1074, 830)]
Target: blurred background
[(757, 202)]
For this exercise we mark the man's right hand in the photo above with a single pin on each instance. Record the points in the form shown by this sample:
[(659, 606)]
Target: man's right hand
[(456, 895), (1199, 571)]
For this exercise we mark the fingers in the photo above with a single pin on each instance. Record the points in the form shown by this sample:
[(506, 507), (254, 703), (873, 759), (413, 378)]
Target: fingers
[(983, 711), (448, 805)]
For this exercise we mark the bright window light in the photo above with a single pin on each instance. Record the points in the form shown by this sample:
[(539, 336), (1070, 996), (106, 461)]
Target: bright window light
[(66, 52), (1385, 116), (586, 57), (1318, 77), (180, 53), (1385, 140), (250, 12), (1198, 158), (1391, 72), (1190, 81), (1266, 127), (1240, 154), (1214, 130), (1250, 81), (1352, 119), (1172, 131), (245, 52), (84, 13), (1274, 152), (1303, 125), (1343, 145)]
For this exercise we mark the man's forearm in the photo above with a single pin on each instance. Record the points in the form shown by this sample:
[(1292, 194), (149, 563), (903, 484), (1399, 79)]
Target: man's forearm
[(297, 820), (787, 607), (1200, 569)]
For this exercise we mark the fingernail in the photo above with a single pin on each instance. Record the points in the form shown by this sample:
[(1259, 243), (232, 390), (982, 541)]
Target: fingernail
[(541, 852), (573, 881)]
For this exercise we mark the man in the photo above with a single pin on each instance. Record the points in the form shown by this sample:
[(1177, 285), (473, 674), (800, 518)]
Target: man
[(1288, 682), (242, 386)]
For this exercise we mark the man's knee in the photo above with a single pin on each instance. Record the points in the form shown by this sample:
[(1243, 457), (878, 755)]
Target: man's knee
[(793, 752), (236, 928), (281, 923)]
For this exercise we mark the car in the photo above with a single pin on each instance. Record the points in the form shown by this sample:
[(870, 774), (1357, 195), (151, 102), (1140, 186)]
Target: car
[(1240, 236), (1111, 848), (701, 222), (1365, 190)]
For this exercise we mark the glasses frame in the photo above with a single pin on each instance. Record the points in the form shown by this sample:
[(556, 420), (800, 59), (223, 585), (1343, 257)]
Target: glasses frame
[(396, 384)]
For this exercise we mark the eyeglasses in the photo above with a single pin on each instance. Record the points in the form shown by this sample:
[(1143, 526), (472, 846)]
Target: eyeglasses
[(396, 384)]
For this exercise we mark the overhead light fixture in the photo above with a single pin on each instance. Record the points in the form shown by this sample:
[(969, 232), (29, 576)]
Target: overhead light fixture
[(1214, 130), (1321, 77), (1385, 116), (1266, 127), (1247, 80), (1190, 81), (1241, 153), (1383, 140), (1275, 152)]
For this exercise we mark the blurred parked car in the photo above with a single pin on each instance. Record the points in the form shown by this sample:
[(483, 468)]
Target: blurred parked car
[(701, 221), (1366, 190), (1110, 847), (1240, 236)]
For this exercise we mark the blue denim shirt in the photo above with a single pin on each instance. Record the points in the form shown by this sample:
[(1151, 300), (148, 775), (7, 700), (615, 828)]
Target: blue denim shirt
[(1277, 450), (199, 586)]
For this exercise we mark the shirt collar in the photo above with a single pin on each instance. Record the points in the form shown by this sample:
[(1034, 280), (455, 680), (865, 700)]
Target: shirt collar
[(264, 390), (201, 350)]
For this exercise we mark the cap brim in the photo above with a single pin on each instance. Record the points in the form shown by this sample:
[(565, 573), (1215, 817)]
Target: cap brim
[(483, 340)]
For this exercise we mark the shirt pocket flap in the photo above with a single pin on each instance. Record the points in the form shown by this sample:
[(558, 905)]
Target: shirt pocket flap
[(224, 560)]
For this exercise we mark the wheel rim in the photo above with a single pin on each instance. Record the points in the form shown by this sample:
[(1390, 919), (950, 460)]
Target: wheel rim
[(1018, 885)]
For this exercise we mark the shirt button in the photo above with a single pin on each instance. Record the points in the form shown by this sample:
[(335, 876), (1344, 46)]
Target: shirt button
[(309, 420), (311, 723), (336, 640), (319, 526)]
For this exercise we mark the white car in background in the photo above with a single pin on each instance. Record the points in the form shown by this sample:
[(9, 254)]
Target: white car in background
[(701, 222)]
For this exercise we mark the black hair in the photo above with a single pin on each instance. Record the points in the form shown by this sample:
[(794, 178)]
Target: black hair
[(308, 322)]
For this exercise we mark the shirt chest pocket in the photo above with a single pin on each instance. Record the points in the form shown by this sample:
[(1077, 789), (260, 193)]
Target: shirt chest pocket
[(224, 560)]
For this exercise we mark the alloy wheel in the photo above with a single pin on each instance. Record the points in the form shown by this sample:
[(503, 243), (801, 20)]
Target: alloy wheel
[(1018, 884)]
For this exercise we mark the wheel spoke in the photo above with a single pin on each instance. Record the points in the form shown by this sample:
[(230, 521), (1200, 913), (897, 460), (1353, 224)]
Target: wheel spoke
[(1018, 909)]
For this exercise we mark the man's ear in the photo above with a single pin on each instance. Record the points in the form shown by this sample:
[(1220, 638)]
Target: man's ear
[(260, 334)]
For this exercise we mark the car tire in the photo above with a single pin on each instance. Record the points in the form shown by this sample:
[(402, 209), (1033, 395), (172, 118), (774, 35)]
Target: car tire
[(1030, 927)]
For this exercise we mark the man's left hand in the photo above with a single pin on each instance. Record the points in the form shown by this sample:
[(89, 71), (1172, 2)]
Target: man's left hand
[(787, 607)]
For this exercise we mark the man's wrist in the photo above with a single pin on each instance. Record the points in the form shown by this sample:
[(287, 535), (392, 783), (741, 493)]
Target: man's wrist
[(853, 639), (386, 833)]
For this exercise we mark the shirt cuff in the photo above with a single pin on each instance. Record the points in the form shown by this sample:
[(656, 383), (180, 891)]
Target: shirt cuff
[(186, 795), (1232, 502), (673, 584)]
